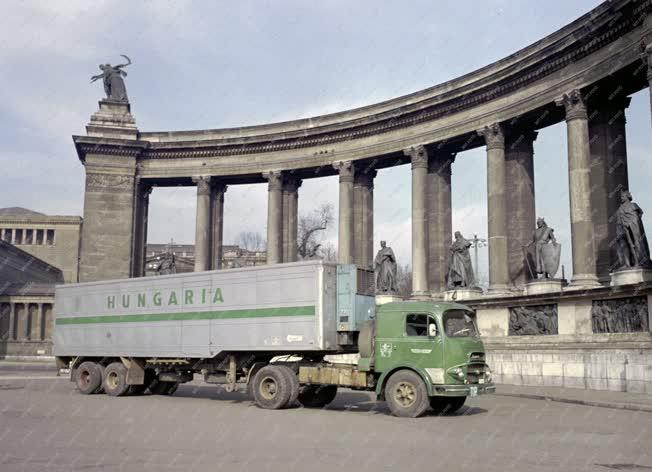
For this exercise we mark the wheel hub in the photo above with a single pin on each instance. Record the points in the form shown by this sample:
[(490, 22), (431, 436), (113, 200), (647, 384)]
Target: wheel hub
[(268, 388), (405, 394)]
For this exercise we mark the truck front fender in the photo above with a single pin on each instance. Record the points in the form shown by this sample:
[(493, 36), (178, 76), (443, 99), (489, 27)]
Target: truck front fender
[(380, 386)]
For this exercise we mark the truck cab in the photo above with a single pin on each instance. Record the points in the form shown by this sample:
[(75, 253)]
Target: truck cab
[(437, 343)]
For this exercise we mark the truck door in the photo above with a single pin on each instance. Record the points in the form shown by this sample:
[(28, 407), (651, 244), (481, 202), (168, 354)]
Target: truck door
[(419, 344)]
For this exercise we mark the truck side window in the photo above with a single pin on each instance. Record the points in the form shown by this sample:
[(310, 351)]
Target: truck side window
[(416, 325)]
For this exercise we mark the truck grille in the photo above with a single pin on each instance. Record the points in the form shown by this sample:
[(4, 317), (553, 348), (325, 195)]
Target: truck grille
[(477, 357), (474, 372)]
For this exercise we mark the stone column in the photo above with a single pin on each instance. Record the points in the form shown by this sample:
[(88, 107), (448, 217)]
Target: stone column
[(608, 146), (290, 218), (519, 179), (363, 218), (203, 224), (419, 157), (37, 323), (648, 60), (217, 224), (274, 217), (22, 322), (141, 210), (579, 169), (12, 321), (497, 208), (346, 170), (440, 222), (47, 321)]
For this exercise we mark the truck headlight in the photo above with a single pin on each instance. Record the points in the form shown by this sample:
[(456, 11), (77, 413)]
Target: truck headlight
[(457, 372), (487, 374)]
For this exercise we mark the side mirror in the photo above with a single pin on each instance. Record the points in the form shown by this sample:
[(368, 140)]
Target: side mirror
[(432, 329)]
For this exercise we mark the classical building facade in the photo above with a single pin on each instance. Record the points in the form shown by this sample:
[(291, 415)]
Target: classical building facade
[(52, 238), (581, 75)]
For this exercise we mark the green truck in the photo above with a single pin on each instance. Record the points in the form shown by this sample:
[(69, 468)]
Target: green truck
[(273, 330)]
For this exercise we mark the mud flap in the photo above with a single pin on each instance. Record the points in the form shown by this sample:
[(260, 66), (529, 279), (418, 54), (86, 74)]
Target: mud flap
[(135, 370)]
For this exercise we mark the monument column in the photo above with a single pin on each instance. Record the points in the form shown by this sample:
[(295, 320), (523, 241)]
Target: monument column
[(419, 157), (203, 223), (579, 169), (274, 216), (12, 321), (519, 179), (346, 170), (608, 145), (439, 217), (290, 218), (218, 190), (141, 210), (363, 218), (648, 60), (497, 209)]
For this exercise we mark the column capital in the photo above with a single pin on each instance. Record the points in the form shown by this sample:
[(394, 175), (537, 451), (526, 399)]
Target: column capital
[(203, 184), (418, 155), (365, 178), (292, 184), (494, 136), (219, 187), (646, 57), (275, 179), (574, 104), (346, 170)]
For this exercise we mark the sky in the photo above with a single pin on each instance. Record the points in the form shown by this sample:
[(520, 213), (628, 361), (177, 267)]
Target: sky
[(200, 65)]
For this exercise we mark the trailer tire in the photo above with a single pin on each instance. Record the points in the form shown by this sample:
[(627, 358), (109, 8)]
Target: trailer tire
[(272, 387), (115, 380), (88, 378), (406, 394), (366, 339), (294, 384), (317, 396), (446, 405)]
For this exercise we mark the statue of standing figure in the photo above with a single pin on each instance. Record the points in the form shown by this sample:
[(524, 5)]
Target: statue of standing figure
[(385, 270), (460, 270), (547, 251), (114, 84), (631, 241)]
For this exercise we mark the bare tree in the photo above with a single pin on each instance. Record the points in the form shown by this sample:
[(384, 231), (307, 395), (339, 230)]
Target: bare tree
[(251, 241), (311, 227), (404, 280), (328, 252)]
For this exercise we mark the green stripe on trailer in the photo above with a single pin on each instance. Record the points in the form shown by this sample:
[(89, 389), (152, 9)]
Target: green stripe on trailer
[(192, 315)]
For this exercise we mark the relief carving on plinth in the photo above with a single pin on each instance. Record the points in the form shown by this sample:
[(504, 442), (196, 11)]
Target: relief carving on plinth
[(623, 315), (533, 320), (110, 183)]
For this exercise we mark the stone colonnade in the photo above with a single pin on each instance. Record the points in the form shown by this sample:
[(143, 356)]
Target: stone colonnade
[(25, 321)]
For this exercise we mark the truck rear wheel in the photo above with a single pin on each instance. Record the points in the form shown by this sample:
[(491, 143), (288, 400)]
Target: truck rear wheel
[(445, 405), (88, 377), (406, 394), (272, 387), (317, 396), (293, 382), (115, 380)]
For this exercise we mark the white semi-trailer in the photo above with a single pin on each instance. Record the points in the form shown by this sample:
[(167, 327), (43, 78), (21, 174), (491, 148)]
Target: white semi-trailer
[(127, 336)]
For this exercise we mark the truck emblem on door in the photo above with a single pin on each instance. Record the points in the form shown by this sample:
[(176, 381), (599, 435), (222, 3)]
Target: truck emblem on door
[(386, 350)]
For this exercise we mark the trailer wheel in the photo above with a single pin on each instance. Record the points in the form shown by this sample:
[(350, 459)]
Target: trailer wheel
[(317, 396), (446, 405), (272, 387), (406, 394), (293, 382), (88, 377), (115, 380)]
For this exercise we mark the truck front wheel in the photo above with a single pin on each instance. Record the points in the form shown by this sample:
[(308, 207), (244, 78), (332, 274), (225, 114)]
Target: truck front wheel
[(271, 387), (406, 394), (317, 396), (89, 377)]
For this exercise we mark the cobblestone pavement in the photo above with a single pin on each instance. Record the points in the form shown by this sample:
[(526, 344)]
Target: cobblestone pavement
[(46, 425)]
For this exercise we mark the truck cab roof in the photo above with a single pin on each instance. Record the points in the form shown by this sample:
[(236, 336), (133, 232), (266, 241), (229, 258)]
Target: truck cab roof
[(436, 307)]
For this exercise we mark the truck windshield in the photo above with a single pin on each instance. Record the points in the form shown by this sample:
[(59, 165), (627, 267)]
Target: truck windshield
[(459, 323)]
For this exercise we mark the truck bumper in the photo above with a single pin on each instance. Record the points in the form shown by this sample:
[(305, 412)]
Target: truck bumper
[(463, 390)]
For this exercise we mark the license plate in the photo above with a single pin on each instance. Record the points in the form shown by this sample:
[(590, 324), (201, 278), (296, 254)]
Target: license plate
[(473, 391)]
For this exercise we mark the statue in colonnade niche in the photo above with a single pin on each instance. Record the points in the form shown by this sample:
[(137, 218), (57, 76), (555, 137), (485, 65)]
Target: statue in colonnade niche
[(547, 251), (385, 268), (460, 269), (631, 241), (114, 84)]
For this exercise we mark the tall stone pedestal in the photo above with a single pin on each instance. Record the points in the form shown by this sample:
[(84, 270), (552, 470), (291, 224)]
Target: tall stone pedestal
[(387, 298), (113, 120), (462, 294), (632, 276), (537, 287)]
